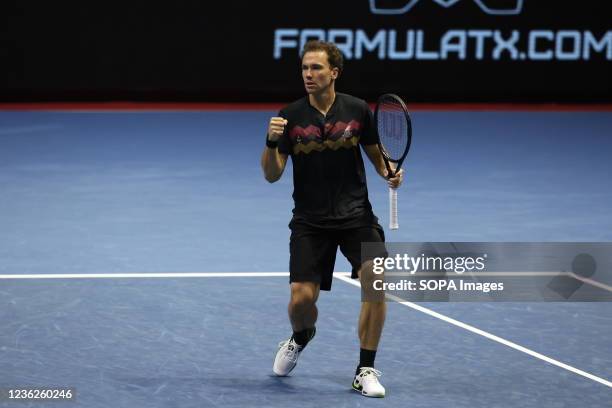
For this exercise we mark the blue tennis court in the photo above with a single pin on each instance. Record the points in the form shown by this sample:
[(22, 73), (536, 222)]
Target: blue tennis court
[(92, 203)]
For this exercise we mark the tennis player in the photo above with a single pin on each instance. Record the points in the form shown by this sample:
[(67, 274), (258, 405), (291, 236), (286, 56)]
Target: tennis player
[(322, 133)]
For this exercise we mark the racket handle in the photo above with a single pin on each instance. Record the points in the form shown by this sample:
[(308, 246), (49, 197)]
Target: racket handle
[(393, 222)]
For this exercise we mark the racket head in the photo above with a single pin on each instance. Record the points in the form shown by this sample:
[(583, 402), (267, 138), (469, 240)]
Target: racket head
[(394, 127)]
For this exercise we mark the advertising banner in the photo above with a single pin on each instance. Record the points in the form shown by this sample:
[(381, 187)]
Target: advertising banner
[(239, 51)]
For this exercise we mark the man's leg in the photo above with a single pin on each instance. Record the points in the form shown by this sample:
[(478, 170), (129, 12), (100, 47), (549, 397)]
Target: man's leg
[(303, 310), (373, 312), (303, 316), (371, 322), (373, 307)]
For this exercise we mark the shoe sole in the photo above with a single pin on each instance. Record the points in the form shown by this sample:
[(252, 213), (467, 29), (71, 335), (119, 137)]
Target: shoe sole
[(366, 395)]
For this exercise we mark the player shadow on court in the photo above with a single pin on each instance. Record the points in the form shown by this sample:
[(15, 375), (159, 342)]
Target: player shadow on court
[(275, 385), (270, 384)]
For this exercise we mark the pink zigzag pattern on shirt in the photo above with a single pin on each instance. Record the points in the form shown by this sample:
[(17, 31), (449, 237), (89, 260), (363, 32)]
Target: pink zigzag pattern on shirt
[(314, 132), (308, 131), (341, 127)]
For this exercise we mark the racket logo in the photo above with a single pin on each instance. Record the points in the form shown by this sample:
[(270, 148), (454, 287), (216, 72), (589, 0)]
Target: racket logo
[(492, 7)]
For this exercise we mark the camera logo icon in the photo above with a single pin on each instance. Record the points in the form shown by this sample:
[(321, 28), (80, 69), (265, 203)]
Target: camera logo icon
[(492, 7)]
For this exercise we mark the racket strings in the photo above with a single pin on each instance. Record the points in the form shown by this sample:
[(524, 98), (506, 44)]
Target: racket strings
[(392, 128)]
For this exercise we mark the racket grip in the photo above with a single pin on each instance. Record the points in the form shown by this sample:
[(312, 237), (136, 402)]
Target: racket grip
[(393, 221)]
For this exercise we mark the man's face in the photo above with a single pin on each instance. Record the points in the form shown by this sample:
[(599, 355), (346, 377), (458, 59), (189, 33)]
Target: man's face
[(316, 72)]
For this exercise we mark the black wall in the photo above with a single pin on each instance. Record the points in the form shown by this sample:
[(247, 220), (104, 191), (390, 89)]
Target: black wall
[(197, 50)]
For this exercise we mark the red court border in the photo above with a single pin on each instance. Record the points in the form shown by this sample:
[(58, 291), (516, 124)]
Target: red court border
[(199, 106)]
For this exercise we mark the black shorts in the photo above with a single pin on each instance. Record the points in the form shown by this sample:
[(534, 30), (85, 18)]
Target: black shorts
[(313, 250)]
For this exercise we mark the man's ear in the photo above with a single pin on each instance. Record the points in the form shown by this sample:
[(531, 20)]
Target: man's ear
[(335, 73)]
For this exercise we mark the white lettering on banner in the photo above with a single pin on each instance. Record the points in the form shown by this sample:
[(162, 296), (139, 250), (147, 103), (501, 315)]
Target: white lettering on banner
[(574, 45), (281, 42), (394, 54), (307, 35), (454, 41), (480, 36), (591, 41), (541, 45), (505, 45), (378, 41), (420, 53), (536, 55), (344, 40)]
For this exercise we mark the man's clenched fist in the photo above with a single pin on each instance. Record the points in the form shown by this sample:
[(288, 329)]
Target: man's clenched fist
[(276, 128)]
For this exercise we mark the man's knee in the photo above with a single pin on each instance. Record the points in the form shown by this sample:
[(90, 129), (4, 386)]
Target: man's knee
[(304, 294), (367, 275), (372, 289)]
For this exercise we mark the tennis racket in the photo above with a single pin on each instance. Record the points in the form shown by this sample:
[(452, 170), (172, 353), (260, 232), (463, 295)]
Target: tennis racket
[(395, 135)]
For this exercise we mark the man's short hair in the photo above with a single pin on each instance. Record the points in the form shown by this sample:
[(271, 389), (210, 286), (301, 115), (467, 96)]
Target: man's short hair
[(334, 56)]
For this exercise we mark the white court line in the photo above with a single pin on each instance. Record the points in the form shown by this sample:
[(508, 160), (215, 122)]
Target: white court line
[(476, 274), (344, 276), (144, 275), (506, 274), (487, 335), (590, 281)]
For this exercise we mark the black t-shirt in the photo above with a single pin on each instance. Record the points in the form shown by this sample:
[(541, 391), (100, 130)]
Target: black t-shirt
[(328, 171)]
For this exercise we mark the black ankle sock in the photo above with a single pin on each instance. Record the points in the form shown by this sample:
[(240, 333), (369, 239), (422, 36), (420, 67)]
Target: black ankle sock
[(303, 337), (366, 359)]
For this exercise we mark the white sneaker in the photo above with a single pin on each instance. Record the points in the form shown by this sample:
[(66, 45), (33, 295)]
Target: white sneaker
[(366, 382), (286, 357)]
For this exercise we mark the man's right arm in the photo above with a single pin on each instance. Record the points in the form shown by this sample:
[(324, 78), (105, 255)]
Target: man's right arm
[(272, 162)]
